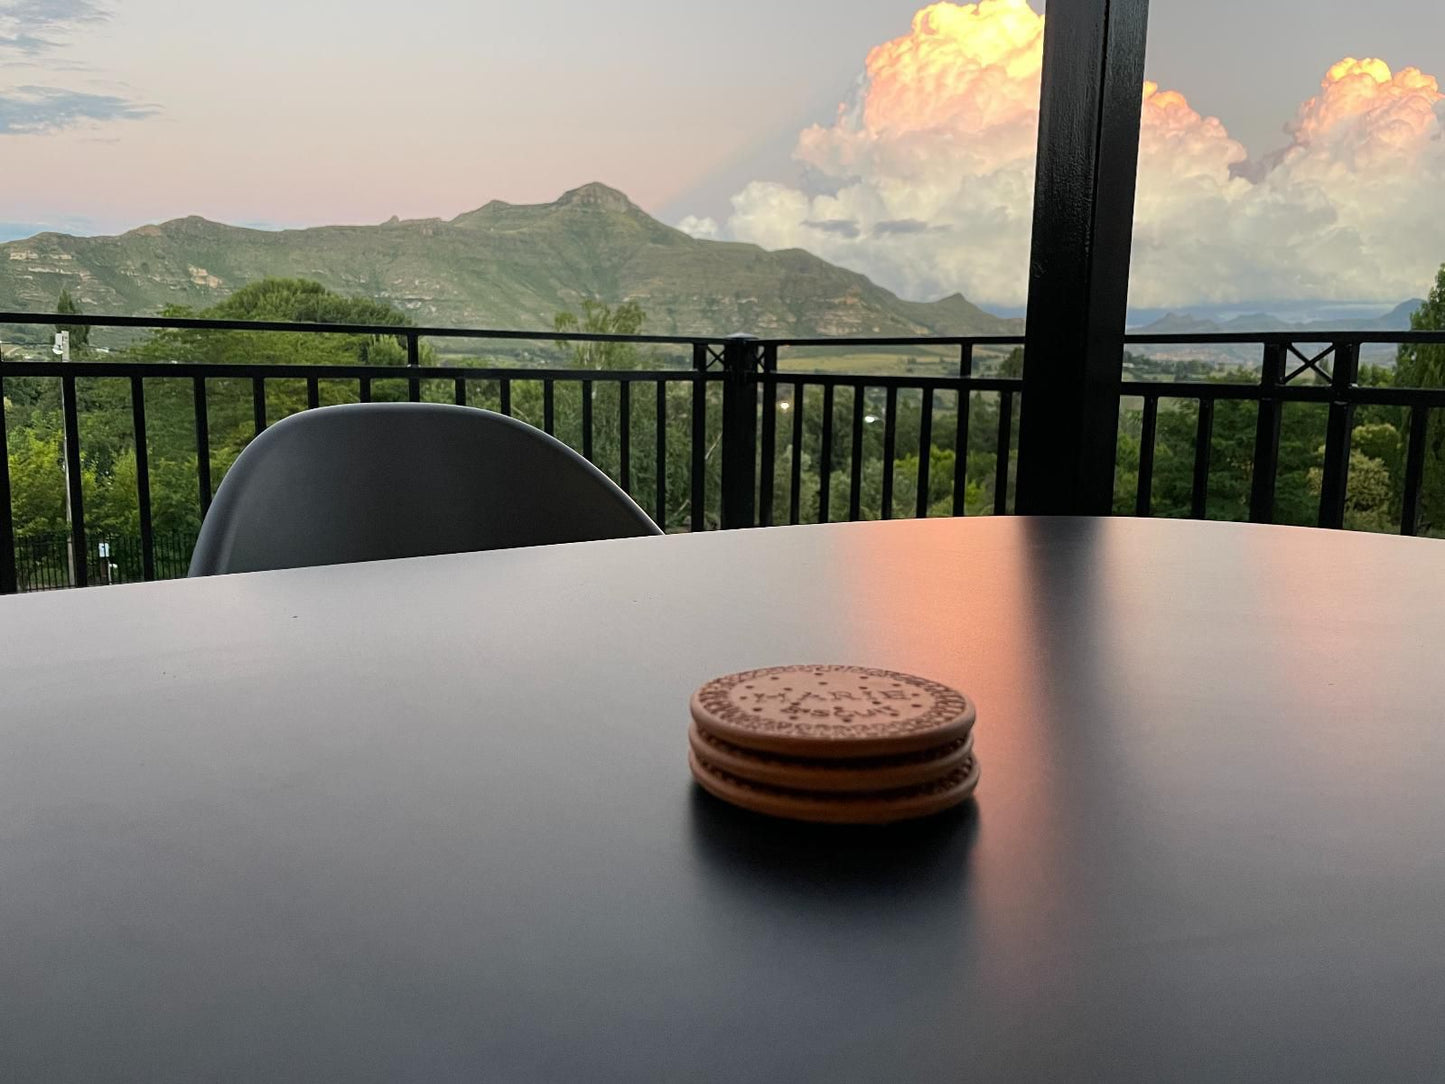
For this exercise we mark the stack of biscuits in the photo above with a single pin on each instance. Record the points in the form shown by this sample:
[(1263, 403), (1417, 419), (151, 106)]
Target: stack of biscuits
[(839, 744)]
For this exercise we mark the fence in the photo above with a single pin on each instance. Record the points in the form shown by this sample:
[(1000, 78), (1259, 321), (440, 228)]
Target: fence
[(732, 440), (46, 562), (1322, 370)]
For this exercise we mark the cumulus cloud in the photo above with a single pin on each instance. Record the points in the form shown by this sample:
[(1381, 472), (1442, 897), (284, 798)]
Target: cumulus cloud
[(930, 165), (707, 229), (1347, 210), (34, 110)]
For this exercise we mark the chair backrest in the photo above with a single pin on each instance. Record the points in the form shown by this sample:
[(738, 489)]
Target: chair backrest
[(380, 480)]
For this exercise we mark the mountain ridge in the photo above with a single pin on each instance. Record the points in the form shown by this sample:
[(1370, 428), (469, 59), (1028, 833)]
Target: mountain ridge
[(1186, 323), (502, 265)]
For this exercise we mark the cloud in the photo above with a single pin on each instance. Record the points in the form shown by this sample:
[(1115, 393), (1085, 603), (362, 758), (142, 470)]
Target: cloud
[(34, 110), (35, 29), (1347, 210), (707, 229), (941, 132), (32, 27), (903, 227), (839, 227), (931, 163)]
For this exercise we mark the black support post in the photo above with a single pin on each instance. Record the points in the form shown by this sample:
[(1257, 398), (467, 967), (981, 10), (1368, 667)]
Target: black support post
[(890, 448), (1203, 459), (8, 578), (624, 434), (1414, 471), (143, 478), (925, 450), (75, 490), (741, 358), (699, 437), (203, 445), (960, 436), (1005, 438), (258, 405), (768, 454), (413, 367), (1088, 155), (1266, 438), (1336, 482), (1148, 438), (661, 466)]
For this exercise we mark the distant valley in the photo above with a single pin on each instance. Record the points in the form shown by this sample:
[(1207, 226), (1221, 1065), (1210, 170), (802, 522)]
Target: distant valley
[(1397, 319)]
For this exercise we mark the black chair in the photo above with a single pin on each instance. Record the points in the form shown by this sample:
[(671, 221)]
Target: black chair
[(382, 480)]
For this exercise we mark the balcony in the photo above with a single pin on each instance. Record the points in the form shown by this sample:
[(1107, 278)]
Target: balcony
[(729, 433)]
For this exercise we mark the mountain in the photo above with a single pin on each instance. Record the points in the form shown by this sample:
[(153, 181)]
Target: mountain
[(1397, 319), (500, 266)]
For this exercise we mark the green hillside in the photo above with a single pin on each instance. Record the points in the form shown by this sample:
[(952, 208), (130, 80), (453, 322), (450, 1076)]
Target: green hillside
[(502, 266)]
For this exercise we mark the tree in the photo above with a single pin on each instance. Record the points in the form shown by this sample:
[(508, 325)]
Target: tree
[(109, 476), (600, 319), (231, 414), (628, 318), (1422, 365), (1373, 496), (37, 483), (79, 333), (1368, 501)]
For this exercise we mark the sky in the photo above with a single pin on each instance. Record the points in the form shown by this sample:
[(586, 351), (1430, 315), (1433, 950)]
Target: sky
[(843, 126)]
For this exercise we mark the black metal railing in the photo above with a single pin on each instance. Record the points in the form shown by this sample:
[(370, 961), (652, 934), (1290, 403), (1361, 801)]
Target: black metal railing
[(741, 467), (1303, 369), (48, 562), (752, 424)]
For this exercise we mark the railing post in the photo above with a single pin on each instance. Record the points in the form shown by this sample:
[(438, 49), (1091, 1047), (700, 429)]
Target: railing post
[(1336, 482), (1005, 442), (925, 452), (1414, 471), (258, 405), (143, 478), (700, 356), (742, 358), (204, 489), (413, 366), (768, 454), (74, 489), (1203, 459), (1148, 438), (1266, 437), (960, 434), (8, 578)]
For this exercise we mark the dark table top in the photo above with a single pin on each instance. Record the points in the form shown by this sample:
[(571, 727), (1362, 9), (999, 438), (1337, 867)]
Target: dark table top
[(432, 820)]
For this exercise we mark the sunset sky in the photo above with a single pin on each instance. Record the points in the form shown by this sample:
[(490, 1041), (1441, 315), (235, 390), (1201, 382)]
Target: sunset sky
[(727, 117)]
